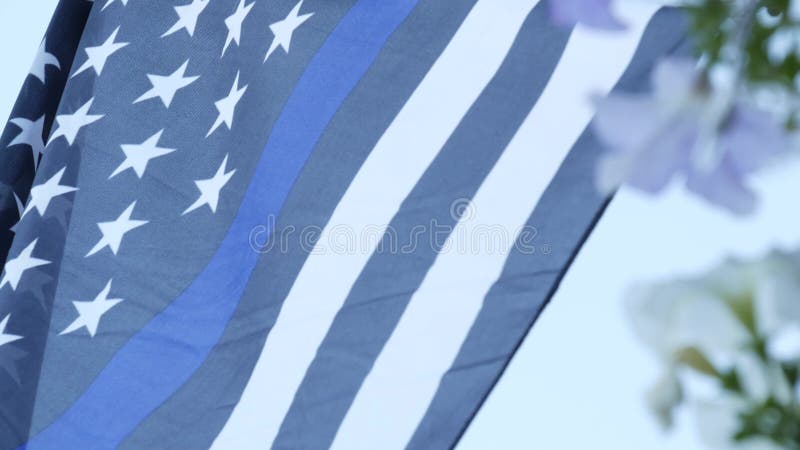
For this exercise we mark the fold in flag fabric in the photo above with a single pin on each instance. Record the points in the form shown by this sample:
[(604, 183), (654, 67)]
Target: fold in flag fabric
[(248, 224)]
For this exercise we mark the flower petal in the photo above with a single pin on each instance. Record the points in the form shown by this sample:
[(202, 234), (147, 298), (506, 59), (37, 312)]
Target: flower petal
[(718, 420), (723, 187), (625, 122), (752, 139), (785, 346), (753, 376), (779, 45), (777, 305), (646, 149), (670, 317), (673, 79), (663, 397)]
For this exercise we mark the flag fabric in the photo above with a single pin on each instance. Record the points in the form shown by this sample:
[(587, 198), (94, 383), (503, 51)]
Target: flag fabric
[(303, 224)]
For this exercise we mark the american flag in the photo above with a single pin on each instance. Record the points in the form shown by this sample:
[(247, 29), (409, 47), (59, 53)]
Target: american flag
[(303, 224)]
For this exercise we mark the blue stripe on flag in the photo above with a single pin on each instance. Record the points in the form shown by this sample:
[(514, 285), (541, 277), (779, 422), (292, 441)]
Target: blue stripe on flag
[(166, 352), (350, 136)]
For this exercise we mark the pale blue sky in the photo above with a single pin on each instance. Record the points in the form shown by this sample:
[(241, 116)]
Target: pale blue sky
[(577, 382)]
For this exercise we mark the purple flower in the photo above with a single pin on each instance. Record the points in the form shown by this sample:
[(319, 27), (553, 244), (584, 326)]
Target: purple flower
[(654, 137), (591, 13)]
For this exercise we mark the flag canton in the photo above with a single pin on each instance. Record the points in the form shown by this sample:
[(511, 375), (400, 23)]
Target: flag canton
[(151, 148)]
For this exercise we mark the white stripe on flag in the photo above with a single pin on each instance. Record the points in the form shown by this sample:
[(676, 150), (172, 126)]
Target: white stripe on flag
[(387, 176), (395, 395)]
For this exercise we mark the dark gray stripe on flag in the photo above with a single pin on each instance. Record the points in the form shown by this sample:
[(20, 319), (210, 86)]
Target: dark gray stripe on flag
[(563, 218), (197, 412), (383, 289)]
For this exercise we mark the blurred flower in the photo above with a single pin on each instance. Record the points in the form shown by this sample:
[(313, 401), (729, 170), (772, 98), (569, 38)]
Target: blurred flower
[(682, 323), (719, 313), (591, 13), (723, 324), (654, 137)]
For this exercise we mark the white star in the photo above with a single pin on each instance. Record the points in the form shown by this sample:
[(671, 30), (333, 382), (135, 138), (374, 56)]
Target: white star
[(227, 105), (20, 207), (187, 17), (284, 29), (124, 3), (17, 266), (10, 354), (165, 87), (4, 337), (137, 156), (70, 124), (210, 187), (115, 230), (20, 210), (234, 24), (97, 56), (43, 59), (42, 194), (90, 313), (30, 134)]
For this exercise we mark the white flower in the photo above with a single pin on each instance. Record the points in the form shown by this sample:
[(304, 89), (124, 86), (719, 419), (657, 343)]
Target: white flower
[(682, 323), (720, 322), (719, 314)]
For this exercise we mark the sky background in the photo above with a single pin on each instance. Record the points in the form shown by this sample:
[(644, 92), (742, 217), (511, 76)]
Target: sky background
[(578, 380)]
